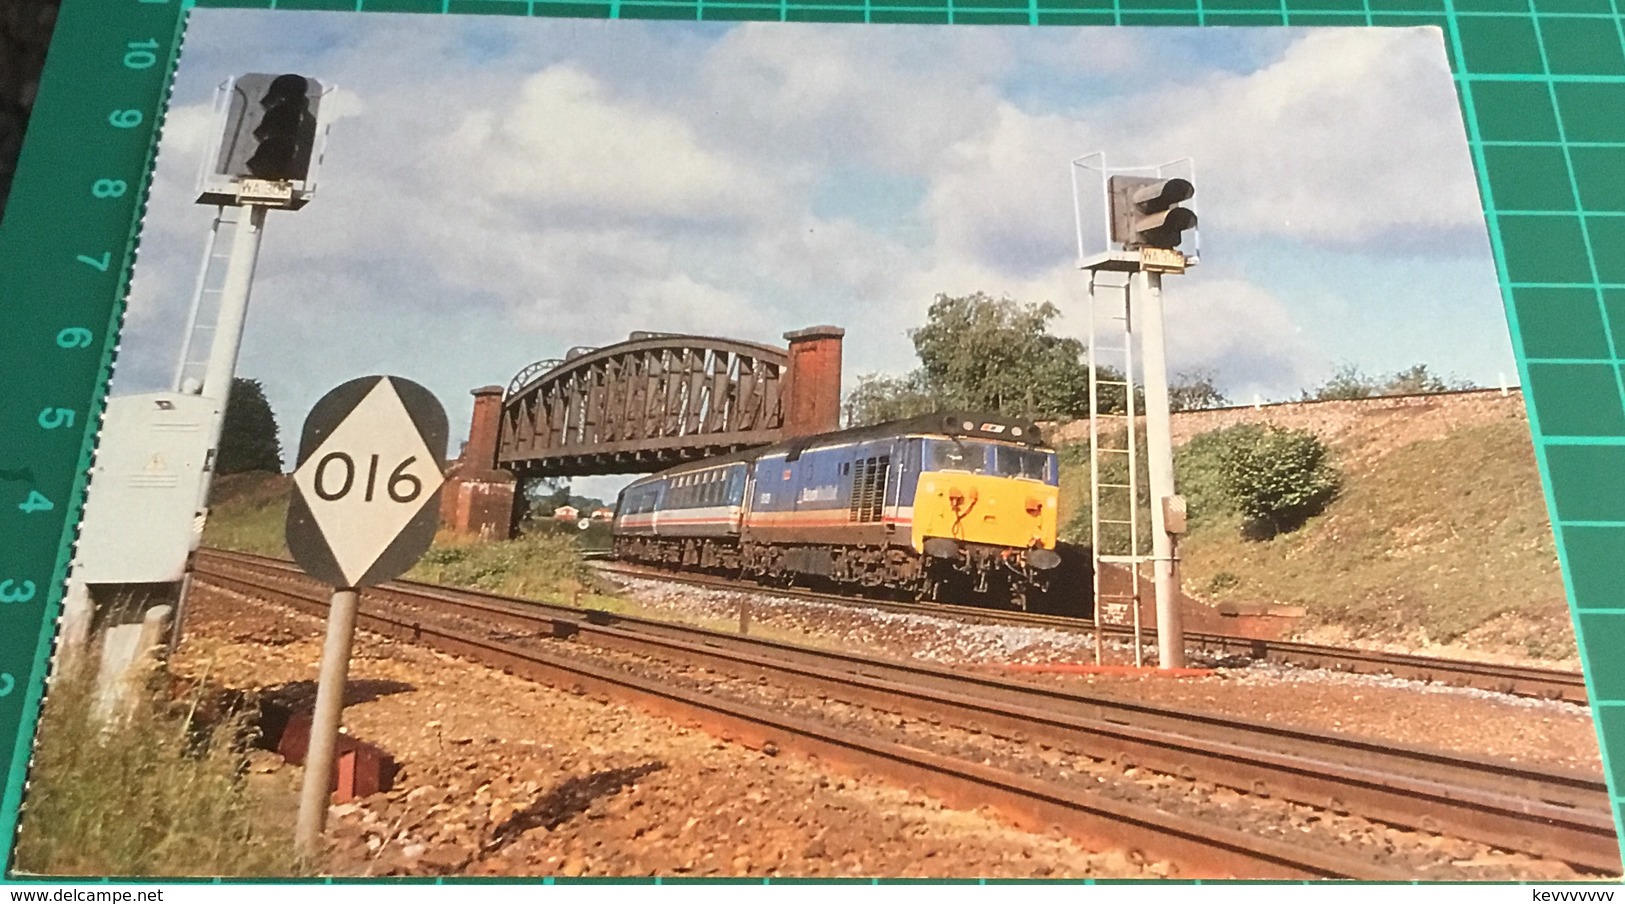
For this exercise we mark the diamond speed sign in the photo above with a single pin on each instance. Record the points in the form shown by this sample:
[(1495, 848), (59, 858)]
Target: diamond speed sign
[(366, 497)]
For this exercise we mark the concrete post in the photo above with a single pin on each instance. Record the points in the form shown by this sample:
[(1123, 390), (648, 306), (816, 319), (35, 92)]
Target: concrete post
[(1146, 292), (129, 655)]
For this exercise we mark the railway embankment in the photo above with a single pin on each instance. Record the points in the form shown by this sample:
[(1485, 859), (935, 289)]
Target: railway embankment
[(1438, 538)]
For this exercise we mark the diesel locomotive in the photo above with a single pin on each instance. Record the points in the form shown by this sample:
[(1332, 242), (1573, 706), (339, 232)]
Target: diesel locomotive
[(937, 506)]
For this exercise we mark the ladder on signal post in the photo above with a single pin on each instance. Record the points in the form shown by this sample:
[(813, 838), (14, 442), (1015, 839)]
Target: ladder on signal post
[(1114, 470), (202, 319)]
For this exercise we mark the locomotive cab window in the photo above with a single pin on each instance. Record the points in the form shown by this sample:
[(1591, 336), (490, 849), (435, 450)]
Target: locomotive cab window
[(989, 458), (1025, 464), (952, 455)]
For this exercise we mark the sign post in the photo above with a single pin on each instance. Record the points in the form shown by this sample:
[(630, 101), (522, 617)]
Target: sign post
[(364, 508)]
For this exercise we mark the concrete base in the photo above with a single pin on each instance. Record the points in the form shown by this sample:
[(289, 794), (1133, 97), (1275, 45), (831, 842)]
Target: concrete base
[(129, 655), (1259, 621)]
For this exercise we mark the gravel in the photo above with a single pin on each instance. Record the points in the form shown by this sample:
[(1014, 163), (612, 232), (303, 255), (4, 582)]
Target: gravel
[(501, 776), (1423, 855), (1461, 720)]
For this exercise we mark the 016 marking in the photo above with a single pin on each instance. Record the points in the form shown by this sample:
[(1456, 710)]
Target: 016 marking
[(396, 476)]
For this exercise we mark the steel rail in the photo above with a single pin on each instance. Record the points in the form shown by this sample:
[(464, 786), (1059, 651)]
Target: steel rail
[(1524, 681), (1551, 814), (1197, 849)]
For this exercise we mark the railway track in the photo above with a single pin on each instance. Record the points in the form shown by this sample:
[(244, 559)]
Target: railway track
[(1549, 814), (1523, 681)]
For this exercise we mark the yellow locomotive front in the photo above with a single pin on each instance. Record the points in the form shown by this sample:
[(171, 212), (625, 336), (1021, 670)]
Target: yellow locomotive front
[(984, 506)]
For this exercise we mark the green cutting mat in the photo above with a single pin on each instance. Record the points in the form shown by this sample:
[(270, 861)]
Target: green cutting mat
[(1542, 89)]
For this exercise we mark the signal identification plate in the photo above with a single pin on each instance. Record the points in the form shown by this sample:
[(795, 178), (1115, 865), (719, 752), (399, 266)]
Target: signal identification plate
[(1164, 260)]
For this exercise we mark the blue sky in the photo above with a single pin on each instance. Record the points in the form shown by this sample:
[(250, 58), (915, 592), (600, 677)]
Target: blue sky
[(498, 190)]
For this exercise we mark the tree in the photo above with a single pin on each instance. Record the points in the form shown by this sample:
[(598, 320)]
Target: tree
[(878, 398), (1111, 397), (1195, 391), (989, 354), (248, 434), (1348, 382), (1417, 380), (544, 494), (538, 498)]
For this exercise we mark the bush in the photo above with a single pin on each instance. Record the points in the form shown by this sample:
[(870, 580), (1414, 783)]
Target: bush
[(1114, 538), (1199, 473), (1276, 478), (1272, 479)]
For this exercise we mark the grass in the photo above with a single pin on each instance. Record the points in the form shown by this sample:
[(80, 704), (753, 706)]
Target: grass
[(539, 565), (1440, 538), (249, 512), (156, 795)]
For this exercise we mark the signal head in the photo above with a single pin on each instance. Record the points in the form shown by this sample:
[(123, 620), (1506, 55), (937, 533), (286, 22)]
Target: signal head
[(270, 127), (1144, 212)]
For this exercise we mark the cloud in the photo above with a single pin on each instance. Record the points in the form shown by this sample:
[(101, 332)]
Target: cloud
[(891, 98), (495, 194), (1350, 138), (189, 129), (1240, 331), (569, 146), (1353, 136), (1002, 196)]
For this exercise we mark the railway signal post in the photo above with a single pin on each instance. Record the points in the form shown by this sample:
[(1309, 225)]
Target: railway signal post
[(1143, 219), (365, 505), (157, 452)]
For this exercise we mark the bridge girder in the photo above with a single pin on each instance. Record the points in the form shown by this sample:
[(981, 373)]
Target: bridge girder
[(641, 405)]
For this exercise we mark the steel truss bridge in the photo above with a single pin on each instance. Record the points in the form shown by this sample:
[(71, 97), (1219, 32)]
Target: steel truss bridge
[(655, 400)]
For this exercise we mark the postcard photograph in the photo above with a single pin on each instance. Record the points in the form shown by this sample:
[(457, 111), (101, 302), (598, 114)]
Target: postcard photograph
[(621, 449)]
